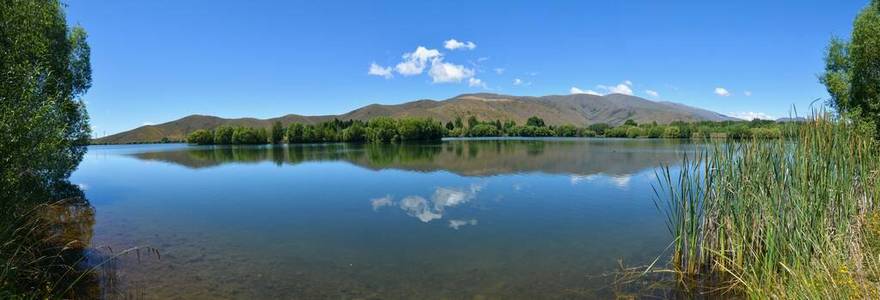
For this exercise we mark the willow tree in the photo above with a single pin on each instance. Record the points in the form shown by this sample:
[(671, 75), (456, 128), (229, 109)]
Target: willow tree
[(852, 69), (44, 70)]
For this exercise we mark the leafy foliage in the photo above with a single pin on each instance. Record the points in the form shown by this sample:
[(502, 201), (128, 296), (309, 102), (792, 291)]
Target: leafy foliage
[(852, 70), (45, 222), (45, 69)]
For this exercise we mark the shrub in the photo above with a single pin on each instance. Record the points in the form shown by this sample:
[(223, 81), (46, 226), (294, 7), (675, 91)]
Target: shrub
[(200, 137), (672, 132), (766, 133), (634, 132)]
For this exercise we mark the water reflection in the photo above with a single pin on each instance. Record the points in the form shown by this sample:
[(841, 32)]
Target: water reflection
[(47, 226), (580, 157), (427, 211), (459, 219), (455, 224)]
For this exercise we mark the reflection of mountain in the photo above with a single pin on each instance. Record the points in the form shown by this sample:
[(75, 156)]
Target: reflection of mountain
[(464, 157)]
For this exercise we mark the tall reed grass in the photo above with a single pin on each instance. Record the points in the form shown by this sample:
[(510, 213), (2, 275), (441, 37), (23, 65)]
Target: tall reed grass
[(787, 218)]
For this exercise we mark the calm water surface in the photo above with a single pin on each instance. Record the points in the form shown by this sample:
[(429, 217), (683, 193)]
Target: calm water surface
[(458, 219)]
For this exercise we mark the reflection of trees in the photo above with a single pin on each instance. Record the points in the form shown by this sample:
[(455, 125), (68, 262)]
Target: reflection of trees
[(465, 157), (46, 228)]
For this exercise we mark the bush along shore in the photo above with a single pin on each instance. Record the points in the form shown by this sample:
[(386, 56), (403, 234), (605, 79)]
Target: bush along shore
[(384, 129)]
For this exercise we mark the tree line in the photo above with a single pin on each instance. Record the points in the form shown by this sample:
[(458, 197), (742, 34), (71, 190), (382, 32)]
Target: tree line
[(378, 130), (535, 127), (385, 129)]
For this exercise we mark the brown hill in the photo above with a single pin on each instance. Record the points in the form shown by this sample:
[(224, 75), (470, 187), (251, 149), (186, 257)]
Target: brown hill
[(578, 109)]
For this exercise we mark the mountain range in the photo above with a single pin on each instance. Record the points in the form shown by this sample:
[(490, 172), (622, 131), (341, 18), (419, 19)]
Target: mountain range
[(575, 109)]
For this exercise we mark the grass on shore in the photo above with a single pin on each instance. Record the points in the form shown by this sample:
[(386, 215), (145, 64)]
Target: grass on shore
[(790, 218)]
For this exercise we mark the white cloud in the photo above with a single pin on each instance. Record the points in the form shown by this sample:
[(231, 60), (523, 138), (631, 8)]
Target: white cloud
[(453, 44), (621, 181), (380, 202), (414, 63), (442, 199), (749, 115), (623, 88), (575, 90), (476, 82), (747, 93), (575, 179), (720, 91), (455, 224), (652, 93), (147, 124), (378, 70), (418, 207), (482, 59), (448, 197), (499, 71), (517, 186), (518, 81), (442, 72)]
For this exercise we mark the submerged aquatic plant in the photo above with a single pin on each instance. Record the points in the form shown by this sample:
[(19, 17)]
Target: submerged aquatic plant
[(777, 218)]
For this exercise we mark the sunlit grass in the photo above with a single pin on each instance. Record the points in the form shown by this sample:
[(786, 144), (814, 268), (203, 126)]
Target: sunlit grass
[(788, 218)]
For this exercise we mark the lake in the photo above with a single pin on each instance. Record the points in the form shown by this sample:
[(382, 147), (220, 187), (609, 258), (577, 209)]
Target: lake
[(493, 218)]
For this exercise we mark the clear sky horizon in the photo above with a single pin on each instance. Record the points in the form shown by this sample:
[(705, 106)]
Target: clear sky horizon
[(157, 61)]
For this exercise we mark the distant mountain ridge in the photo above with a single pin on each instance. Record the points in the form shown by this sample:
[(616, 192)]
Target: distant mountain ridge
[(575, 109)]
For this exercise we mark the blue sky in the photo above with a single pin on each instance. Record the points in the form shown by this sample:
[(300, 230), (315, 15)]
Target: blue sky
[(156, 61)]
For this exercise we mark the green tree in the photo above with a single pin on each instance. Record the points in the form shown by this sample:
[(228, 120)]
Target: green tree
[(200, 137), (566, 131), (852, 69), (382, 130), (535, 121), (450, 126), (458, 123), (223, 135), (599, 128), (277, 132), (630, 122), (483, 130), (354, 133), (309, 134), (656, 131), (419, 129), (44, 70), (672, 132), (472, 121), (634, 132), (295, 133), (262, 136), (509, 124)]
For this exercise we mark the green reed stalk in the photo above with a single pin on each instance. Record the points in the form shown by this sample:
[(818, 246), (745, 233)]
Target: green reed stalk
[(770, 218)]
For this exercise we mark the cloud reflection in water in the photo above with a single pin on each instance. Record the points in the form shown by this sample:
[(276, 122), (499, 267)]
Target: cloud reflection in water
[(621, 181), (427, 211), (455, 224)]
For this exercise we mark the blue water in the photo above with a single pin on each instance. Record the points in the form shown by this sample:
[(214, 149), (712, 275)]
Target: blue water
[(535, 218)]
